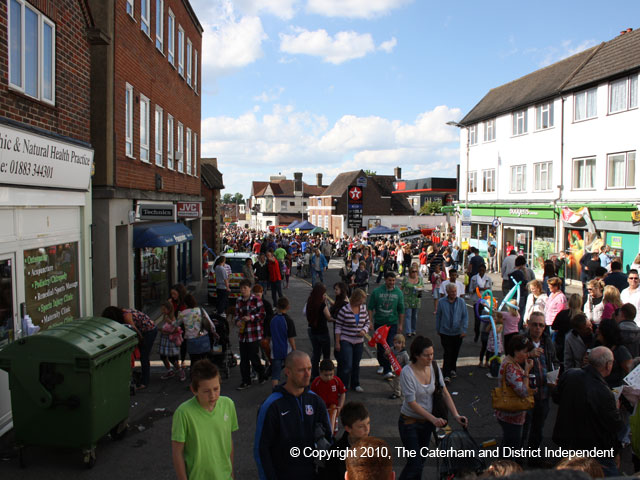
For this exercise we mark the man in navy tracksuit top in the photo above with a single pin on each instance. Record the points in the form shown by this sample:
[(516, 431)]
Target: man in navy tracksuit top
[(288, 419)]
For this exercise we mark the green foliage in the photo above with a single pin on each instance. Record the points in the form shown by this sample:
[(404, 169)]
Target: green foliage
[(235, 198), (369, 173), (429, 208)]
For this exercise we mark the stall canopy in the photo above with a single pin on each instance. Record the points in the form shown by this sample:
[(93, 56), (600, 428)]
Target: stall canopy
[(382, 230), (303, 226), (318, 230), (160, 235), (293, 224)]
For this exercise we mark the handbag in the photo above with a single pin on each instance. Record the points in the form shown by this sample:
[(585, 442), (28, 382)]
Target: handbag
[(198, 345), (505, 399), (439, 409)]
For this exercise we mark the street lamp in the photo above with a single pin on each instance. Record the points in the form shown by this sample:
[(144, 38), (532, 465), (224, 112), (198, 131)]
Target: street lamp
[(466, 183)]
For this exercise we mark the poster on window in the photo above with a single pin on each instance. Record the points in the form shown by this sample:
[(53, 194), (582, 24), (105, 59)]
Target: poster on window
[(51, 284)]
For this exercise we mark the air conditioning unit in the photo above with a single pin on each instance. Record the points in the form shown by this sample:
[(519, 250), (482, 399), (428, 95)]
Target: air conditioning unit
[(177, 156)]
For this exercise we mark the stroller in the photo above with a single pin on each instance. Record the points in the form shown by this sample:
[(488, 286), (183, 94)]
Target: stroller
[(221, 354)]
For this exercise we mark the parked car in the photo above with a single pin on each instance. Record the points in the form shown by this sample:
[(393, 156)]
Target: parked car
[(236, 261)]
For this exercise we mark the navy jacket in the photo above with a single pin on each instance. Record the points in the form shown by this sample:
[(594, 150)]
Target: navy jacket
[(284, 422)]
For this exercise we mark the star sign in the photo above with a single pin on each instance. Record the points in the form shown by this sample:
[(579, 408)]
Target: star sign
[(355, 193)]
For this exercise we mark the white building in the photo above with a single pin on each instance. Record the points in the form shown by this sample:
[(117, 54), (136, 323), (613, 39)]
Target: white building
[(547, 162)]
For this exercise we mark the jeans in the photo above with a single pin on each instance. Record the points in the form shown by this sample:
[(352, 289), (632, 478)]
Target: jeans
[(316, 273), (382, 358), (534, 424), (321, 345), (276, 291), (414, 436), (145, 351), (451, 346), (349, 363), (222, 300), (249, 356), (410, 320), (511, 434)]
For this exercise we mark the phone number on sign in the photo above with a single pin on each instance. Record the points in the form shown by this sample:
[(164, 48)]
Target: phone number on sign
[(15, 167)]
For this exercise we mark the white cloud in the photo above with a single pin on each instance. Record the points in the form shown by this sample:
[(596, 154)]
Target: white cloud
[(342, 47), (354, 8), (284, 9), (270, 96), (389, 45), (566, 49)]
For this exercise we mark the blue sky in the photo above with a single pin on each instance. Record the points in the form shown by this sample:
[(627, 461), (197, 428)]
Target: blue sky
[(326, 86)]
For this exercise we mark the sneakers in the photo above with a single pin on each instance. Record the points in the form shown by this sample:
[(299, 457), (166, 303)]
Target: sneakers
[(168, 374), (447, 380), (380, 370), (359, 389), (182, 374), (243, 386), (394, 396), (453, 374), (388, 376)]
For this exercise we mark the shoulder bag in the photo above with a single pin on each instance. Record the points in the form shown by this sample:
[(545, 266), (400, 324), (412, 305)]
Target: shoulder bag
[(198, 345), (505, 399), (439, 409)]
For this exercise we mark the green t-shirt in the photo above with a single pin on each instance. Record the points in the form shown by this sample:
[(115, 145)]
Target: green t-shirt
[(280, 253), (206, 437), (388, 305)]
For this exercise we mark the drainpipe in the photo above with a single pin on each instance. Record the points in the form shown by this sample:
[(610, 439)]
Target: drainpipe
[(560, 186)]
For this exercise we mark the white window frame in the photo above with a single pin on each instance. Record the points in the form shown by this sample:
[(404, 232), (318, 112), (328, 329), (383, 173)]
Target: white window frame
[(520, 120), (21, 86), (195, 154), (629, 180), (188, 61), (472, 182), (587, 114), (145, 24), (490, 130), (180, 149), (170, 164), (489, 180), (541, 111), (128, 120), (158, 135), (539, 169), (195, 70), (518, 180), (180, 51), (171, 31), (160, 25), (473, 134), (631, 94), (145, 107), (574, 179), (130, 8), (187, 152)]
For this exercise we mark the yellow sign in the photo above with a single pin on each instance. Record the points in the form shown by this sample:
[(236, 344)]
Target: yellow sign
[(635, 216), (465, 245)]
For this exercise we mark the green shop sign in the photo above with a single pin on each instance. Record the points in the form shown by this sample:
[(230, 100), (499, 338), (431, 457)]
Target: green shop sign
[(517, 211)]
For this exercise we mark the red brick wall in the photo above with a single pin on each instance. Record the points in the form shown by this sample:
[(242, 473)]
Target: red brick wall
[(139, 63), (70, 115)]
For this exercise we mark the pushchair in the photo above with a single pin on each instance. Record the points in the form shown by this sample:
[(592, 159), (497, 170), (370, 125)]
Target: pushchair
[(221, 354)]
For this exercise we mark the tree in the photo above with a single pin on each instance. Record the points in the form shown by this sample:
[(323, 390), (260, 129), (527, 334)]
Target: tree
[(369, 173), (228, 198), (429, 208), (237, 198)]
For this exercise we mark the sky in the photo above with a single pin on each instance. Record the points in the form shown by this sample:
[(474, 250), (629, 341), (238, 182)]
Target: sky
[(328, 86)]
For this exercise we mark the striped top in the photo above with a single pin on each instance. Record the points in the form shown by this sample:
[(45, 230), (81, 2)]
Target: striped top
[(348, 328)]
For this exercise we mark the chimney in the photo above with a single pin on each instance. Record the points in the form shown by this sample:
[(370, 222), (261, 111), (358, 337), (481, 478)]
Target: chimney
[(398, 173), (319, 179), (297, 182), (629, 30)]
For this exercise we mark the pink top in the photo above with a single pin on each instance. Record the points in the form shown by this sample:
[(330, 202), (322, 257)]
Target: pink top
[(510, 322), (555, 304), (607, 313)]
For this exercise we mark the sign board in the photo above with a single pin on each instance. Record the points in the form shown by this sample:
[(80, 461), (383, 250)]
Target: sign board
[(465, 213), (464, 245), (465, 230), (495, 223), (361, 182), (35, 160), (189, 209), (635, 217), (157, 212), (354, 206), (616, 241), (408, 234), (355, 194)]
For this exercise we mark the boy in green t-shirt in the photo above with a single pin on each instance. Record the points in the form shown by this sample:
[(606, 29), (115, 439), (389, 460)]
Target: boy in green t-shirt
[(201, 432)]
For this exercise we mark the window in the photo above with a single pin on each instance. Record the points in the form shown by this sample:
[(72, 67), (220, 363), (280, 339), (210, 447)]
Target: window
[(519, 178), (180, 51), (158, 136), (584, 173), (187, 152), (159, 24), (31, 52), (130, 7), (490, 130), (623, 94), (144, 128), (169, 142), (473, 135), (144, 16), (128, 120), (292, 204), (195, 154), (488, 181), (189, 48), (283, 204), (326, 221), (472, 184), (585, 105), (544, 116), (171, 21), (542, 177), (520, 122), (621, 170), (195, 70), (179, 147)]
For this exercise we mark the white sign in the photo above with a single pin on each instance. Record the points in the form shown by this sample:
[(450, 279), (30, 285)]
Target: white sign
[(157, 212), (521, 211), (466, 214), (31, 159), (465, 230)]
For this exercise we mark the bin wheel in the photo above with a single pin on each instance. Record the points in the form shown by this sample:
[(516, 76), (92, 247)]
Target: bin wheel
[(119, 431), (90, 458), (21, 460)]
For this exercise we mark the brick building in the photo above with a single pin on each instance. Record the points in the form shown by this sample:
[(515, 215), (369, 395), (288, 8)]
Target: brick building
[(211, 207), (45, 168), (145, 127)]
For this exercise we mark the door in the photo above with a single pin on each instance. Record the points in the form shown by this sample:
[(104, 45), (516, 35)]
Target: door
[(8, 327), (522, 240)]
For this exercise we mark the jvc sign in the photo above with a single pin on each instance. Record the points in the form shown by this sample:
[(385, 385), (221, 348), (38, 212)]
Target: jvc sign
[(189, 209)]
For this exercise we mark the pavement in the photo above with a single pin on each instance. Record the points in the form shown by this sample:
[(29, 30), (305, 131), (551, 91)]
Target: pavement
[(145, 451)]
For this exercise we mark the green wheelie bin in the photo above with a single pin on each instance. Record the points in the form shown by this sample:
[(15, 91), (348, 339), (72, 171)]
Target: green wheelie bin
[(70, 384)]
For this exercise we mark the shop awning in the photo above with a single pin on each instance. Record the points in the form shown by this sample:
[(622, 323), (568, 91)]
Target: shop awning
[(160, 235)]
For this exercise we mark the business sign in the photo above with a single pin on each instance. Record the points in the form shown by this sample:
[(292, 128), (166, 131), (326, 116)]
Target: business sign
[(466, 214), (354, 206), (189, 209), (35, 160), (408, 234), (519, 212), (355, 194), (157, 212), (465, 230), (361, 182)]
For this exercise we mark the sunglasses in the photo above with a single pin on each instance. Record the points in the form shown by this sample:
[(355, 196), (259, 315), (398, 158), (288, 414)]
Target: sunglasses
[(537, 325), (633, 278)]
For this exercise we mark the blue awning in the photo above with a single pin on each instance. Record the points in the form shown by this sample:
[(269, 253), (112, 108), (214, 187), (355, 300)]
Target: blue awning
[(161, 235)]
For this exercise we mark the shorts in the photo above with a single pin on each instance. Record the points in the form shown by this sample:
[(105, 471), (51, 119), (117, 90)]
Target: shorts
[(276, 368), (436, 293)]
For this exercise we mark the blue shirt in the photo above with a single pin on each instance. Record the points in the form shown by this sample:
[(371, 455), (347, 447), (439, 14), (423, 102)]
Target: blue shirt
[(452, 318)]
